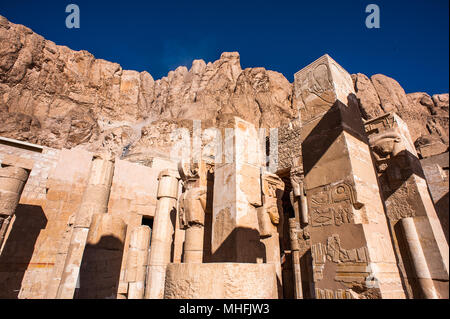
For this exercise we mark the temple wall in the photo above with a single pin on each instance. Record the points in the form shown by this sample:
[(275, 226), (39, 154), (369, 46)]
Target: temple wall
[(133, 197), (37, 240)]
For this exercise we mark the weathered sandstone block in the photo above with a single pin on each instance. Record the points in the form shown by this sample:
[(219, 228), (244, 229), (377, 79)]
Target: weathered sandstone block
[(237, 193), (220, 281), (319, 85), (351, 250), (137, 260)]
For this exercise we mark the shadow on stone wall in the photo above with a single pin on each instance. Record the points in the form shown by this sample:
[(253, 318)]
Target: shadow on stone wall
[(442, 212), (337, 119), (19, 248), (413, 288), (249, 250), (100, 269)]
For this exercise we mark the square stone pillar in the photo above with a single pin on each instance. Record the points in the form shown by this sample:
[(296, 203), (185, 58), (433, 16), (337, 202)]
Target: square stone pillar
[(351, 247), (237, 194), (424, 267), (270, 217)]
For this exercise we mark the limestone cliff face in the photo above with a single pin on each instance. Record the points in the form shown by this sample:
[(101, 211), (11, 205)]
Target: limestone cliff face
[(427, 117), (58, 97)]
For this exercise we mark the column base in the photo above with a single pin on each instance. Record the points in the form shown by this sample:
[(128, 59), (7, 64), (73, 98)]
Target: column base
[(221, 281)]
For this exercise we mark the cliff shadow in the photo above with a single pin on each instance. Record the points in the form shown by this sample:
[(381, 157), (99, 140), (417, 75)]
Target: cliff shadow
[(249, 250), (442, 211), (337, 119), (100, 269), (19, 247)]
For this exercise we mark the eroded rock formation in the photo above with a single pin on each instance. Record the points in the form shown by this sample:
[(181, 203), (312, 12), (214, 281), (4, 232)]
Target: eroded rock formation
[(345, 198), (61, 98)]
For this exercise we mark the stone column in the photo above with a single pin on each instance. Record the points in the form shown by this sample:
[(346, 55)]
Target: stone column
[(406, 195), (269, 216), (102, 258), (163, 228), (237, 193), (294, 229), (351, 248), (298, 195), (192, 208), (418, 258), (95, 201), (137, 261), (12, 182)]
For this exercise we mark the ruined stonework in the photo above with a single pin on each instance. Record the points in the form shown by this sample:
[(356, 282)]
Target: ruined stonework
[(344, 195), (415, 227)]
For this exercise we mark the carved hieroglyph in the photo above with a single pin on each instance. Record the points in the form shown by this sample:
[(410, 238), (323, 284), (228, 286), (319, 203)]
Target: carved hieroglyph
[(341, 186), (406, 197), (333, 204)]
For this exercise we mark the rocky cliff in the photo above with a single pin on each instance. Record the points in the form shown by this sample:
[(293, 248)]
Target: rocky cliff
[(58, 97)]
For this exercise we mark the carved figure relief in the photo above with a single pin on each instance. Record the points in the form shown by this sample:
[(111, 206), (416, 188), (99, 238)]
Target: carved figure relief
[(268, 214), (352, 269), (192, 207), (385, 137)]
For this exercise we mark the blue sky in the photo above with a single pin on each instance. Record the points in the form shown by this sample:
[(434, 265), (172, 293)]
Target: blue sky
[(412, 45)]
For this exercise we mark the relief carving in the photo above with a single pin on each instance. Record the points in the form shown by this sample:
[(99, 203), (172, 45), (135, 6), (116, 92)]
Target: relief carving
[(192, 202), (386, 138), (192, 207), (268, 214), (352, 268), (316, 82), (333, 204), (298, 194), (335, 294)]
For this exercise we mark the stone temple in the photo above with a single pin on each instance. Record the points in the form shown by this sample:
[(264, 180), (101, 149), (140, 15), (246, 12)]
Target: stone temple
[(344, 198)]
